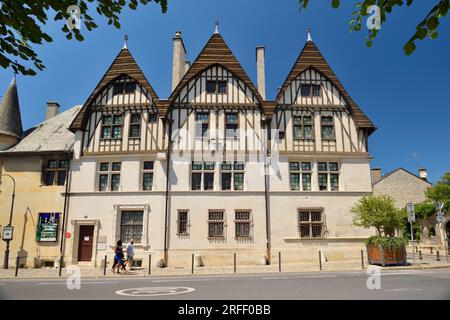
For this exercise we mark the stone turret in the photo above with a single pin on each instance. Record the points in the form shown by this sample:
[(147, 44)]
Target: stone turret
[(10, 120)]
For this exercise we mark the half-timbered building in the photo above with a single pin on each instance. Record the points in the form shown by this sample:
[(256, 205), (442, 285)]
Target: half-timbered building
[(217, 168)]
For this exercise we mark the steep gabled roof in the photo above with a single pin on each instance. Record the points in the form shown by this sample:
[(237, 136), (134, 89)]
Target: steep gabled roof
[(50, 136), (311, 57), (124, 63), (215, 52), (10, 119)]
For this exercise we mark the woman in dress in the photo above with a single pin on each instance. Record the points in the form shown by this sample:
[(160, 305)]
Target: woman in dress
[(118, 258)]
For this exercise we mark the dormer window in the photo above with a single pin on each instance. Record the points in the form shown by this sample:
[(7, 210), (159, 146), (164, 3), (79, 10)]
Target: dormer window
[(124, 88), (308, 90), (213, 86), (210, 86)]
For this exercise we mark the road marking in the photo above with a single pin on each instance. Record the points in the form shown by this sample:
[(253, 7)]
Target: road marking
[(153, 291), (190, 280), (275, 278), (102, 282)]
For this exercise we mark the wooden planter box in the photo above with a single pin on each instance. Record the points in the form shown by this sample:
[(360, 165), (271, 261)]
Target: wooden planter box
[(386, 257)]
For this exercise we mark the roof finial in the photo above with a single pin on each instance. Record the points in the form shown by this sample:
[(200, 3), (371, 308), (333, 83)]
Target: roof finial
[(13, 81), (216, 29), (125, 44), (309, 33)]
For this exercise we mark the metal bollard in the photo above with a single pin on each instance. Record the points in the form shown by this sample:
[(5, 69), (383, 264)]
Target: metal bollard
[(149, 264), (420, 255), (17, 266), (192, 268), (362, 259), (438, 258), (279, 261), (60, 265), (104, 265), (234, 258), (431, 250), (320, 260)]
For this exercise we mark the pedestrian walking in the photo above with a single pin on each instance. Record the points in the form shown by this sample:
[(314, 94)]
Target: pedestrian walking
[(118, 257), (130, 254)]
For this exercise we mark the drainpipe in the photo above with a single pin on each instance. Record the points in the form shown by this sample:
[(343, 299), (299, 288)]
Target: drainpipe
[(166, 218), (266, 189), (65, 212)]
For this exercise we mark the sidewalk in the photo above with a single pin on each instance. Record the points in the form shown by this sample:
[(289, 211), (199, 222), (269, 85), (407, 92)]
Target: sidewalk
[(98, 273)]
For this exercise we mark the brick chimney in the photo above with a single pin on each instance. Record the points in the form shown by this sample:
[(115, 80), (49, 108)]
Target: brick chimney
[(376, 175), (52, 109), (179, 60)]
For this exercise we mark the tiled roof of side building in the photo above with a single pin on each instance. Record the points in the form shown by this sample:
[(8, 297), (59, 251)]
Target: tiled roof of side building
[(52, 135)]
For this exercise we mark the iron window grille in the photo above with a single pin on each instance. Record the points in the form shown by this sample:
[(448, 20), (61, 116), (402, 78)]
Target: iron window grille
[(183, 223), (310, 223), (216, 224), (243, 224), (131, 226)]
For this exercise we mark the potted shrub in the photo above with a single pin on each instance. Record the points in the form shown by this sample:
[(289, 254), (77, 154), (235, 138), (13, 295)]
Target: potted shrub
[(379, 212)]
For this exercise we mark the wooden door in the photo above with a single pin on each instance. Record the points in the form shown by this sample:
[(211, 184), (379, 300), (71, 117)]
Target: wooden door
[(85, 243)]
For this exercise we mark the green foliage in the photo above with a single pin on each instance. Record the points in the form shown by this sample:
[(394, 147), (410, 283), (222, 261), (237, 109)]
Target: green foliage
[(406, 230), (440, 192), (427, 27), (378, 212), (22, 22), (387, 242)]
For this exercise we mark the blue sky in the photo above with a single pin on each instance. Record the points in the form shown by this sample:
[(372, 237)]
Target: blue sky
[(406, 97)]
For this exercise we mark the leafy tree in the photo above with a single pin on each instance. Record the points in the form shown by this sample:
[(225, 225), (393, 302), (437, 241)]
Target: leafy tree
[(22, 22), (427, 27), (440, 192), (378, 212)]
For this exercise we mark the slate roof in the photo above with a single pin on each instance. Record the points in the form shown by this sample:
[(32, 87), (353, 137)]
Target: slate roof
[(10, 119), (49, 136)]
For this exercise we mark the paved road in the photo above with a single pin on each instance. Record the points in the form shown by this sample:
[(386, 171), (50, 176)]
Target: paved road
[(400, 284)]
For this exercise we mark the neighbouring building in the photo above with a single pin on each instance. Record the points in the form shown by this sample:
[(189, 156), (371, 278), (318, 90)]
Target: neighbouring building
[(405, 187), (217, 168), (401, 185), (37, 161)]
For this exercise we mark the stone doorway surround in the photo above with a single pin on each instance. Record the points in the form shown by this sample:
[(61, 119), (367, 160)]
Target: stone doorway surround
[(75, 227)]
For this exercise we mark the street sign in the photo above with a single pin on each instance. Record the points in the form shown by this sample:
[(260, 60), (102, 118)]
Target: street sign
[(7, 233), (440, 217), (410, 210)]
